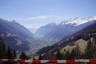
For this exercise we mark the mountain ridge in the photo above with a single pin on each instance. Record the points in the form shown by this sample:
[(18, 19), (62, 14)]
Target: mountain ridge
[(84, 33), (56, 32)]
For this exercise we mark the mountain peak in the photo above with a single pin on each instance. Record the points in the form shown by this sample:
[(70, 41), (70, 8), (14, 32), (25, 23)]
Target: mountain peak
[(51, 24)]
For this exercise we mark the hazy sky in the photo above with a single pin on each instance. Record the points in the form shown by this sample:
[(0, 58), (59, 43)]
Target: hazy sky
[(34, 13)]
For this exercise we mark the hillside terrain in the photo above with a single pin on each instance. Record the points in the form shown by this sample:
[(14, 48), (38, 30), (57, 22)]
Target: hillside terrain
[(81, 44), (18, 37)]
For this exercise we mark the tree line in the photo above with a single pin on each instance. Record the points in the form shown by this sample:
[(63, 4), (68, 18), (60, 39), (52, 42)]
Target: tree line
[(90, 52), (8, 53)]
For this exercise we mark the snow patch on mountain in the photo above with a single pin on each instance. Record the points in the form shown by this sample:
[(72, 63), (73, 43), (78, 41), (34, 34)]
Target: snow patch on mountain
[(77, 21)]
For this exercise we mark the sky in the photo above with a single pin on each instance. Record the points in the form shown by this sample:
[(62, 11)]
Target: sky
[(35, 13)]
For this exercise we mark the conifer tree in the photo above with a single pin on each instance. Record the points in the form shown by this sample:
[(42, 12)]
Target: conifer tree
[(88, 51), (73, 54), (9, 53), (66, 56), (2, 49), (23, 56), (40, 57), (59, 55), (94, 47), (77, 52), (14, 54)]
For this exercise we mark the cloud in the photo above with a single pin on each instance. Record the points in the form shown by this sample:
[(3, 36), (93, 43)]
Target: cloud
[(40, 18)]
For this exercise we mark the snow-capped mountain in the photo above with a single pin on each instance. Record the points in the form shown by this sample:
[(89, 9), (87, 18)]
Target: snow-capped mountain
[(79, 38), (56, 32), (77, 21)]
